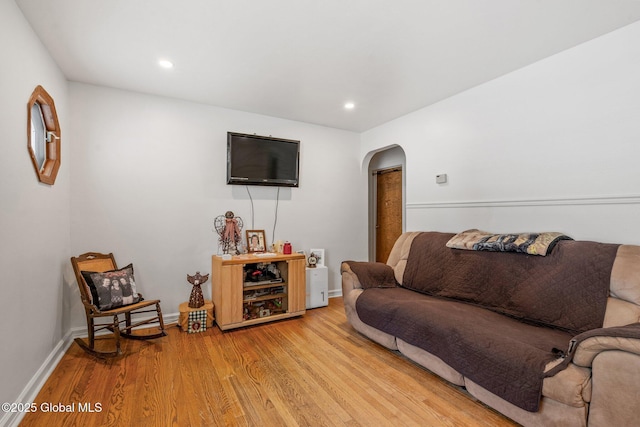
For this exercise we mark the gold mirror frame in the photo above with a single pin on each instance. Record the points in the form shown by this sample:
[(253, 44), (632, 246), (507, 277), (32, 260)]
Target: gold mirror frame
[(48, 171)]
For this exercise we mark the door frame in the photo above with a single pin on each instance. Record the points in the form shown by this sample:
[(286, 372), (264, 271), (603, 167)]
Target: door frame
[(389, 157)]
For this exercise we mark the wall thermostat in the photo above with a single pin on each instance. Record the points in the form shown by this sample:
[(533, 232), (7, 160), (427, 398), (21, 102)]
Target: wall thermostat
[(441, 179)]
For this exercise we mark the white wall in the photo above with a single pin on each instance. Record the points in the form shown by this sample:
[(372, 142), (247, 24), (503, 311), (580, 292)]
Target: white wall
[(34, 246), (149, 177), (554, 146)]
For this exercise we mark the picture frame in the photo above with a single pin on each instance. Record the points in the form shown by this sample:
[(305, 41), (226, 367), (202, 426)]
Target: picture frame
[(319, 254), (254, 245)]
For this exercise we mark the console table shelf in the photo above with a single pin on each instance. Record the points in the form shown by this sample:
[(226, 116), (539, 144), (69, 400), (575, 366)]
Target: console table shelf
[(240, 303), (265, 297)]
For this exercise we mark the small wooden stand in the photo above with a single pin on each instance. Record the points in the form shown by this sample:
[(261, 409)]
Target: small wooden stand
[(183, 320)]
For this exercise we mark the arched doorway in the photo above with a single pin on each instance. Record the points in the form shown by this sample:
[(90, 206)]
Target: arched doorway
[(386, 194)]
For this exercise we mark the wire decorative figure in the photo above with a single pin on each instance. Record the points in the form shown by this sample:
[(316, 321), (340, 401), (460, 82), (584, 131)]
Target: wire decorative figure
[(229, 229)]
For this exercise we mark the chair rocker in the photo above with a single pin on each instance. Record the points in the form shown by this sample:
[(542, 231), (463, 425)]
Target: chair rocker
[(100, 263)]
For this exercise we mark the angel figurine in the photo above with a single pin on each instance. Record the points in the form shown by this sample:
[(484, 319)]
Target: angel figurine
[(229, 229), (196, 300)]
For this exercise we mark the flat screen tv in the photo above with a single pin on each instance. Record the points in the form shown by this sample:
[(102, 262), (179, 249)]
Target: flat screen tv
[(262, 160)]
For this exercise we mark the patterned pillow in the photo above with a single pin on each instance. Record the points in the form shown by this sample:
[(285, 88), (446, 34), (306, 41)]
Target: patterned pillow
[(112, 289)]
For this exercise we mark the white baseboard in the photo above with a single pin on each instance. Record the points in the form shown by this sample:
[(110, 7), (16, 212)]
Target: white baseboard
[(336, 293), (31, 390), (36, 382)]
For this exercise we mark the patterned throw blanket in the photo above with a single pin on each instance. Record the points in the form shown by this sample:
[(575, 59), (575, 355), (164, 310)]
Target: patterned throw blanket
[(528, 243)]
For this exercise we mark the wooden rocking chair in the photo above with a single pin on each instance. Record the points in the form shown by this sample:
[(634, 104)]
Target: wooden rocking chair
[(100, 263)]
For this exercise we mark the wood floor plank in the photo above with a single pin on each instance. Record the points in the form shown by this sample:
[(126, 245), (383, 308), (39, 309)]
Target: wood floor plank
[(315, 370)]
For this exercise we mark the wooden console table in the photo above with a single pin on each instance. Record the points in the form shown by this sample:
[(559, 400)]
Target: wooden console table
[(239, 302)]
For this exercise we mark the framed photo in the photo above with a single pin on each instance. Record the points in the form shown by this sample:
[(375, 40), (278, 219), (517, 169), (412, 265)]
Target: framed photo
[(256, 241), (319, 254)]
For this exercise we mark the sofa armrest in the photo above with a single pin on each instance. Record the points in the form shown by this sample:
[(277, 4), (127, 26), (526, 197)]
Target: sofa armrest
[(615, 379), (353, 285), (584, 347), (613, 357), (350, 280), (588, 349), (369, 274)]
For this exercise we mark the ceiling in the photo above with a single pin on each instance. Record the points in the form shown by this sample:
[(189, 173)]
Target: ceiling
[(303, 59)]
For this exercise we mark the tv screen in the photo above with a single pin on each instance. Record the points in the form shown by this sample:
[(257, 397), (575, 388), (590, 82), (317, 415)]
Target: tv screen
[(262, 160)]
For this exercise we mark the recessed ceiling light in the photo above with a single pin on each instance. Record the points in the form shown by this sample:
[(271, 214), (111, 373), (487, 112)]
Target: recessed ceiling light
[(165, 63), (349, 105)]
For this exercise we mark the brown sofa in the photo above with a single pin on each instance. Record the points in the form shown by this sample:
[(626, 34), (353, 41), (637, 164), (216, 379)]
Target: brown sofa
[(474, 316)]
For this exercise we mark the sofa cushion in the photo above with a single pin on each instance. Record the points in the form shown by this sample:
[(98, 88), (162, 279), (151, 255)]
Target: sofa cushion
[(551, 413), (625, 275), (566, 289), (620, 313), (504, 355), (400, 252), (431, 362)]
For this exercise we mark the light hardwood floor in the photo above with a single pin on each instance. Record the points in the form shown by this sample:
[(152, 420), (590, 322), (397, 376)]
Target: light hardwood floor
[(310, 371)]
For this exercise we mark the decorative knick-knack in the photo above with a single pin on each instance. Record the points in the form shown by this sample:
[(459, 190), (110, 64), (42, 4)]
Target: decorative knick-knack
[(196, 299), (229, 228)]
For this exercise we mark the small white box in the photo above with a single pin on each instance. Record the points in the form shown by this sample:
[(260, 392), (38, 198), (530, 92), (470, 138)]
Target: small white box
[(317, 286)]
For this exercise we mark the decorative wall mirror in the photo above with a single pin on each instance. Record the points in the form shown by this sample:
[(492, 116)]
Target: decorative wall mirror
[(43, 135)]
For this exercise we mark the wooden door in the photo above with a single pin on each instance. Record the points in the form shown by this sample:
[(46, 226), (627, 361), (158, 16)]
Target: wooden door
[(388, 211)]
